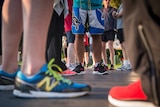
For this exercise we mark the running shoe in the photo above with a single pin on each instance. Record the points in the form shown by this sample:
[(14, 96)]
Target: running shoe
[(7, 80), (129, 96), (79, 69), (62, 69), (48, 84), (100, 69), (111, 67), (120, 68), (71, 66), (106, 67), (68, 72), (129, 67), (125, 68)]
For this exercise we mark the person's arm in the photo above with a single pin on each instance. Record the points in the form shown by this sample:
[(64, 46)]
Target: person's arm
[(117, 15)]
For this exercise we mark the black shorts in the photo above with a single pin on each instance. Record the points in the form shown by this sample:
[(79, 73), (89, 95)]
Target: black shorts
[(70, 37), (120, 35), (108, 35), (86, 48)]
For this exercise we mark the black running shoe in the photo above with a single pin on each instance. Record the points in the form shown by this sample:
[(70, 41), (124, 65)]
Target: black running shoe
[(106, 67), (112, 67), (100, 69), (79, 69), (7, 80)]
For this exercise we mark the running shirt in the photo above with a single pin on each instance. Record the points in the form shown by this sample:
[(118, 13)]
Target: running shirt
[(88, 4), (68, 19)]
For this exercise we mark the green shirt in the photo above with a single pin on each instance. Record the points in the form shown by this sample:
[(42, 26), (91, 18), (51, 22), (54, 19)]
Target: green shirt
[(87, 4)]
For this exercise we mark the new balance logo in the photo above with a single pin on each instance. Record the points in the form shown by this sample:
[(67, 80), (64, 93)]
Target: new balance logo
[(48, 83)]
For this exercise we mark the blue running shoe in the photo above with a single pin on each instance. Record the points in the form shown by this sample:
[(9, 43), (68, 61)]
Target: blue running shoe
[(7, 80), (48, 84)]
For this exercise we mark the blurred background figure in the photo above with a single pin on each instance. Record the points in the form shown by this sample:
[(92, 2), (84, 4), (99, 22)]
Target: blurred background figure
[(109, 35), (71, 57)]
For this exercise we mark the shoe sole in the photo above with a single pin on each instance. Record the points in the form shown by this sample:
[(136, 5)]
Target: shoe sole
[(68, 74), (6, 88), (41, 94), (81, 73), (104, 73), (126, 103), (118, 69)]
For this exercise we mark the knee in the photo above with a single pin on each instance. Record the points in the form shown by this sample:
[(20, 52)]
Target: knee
[(79, 37), (110, 45)]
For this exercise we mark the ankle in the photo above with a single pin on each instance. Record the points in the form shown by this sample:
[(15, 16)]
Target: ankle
[(10, 69)]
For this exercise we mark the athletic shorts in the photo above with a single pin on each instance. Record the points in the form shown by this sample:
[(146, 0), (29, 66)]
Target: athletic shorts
[(70, 37), (120, 35), (95, 21), (86, 48), (108, 35)]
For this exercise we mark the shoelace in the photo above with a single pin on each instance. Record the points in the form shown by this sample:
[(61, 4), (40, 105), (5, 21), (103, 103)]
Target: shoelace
[(55, 74)]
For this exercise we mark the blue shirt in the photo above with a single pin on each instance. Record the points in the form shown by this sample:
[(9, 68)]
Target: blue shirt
[(87, 4)]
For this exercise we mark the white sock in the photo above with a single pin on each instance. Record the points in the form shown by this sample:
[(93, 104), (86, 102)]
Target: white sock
[(129, 62), (106, 65), (125, 62), (96, 63)]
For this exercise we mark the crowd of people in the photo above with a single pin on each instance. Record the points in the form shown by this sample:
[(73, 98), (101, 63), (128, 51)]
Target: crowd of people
[(112, 27), (81, 20)]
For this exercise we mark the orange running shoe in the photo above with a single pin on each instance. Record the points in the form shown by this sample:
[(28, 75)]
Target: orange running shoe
[(68, 72), (129, 96)]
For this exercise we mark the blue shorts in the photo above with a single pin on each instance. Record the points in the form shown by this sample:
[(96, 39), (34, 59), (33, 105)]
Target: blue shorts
[(70, 37), (95, 21)]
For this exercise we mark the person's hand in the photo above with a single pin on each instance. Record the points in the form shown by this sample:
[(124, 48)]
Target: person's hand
[(115, 30), (114, 14), (104, 11)]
